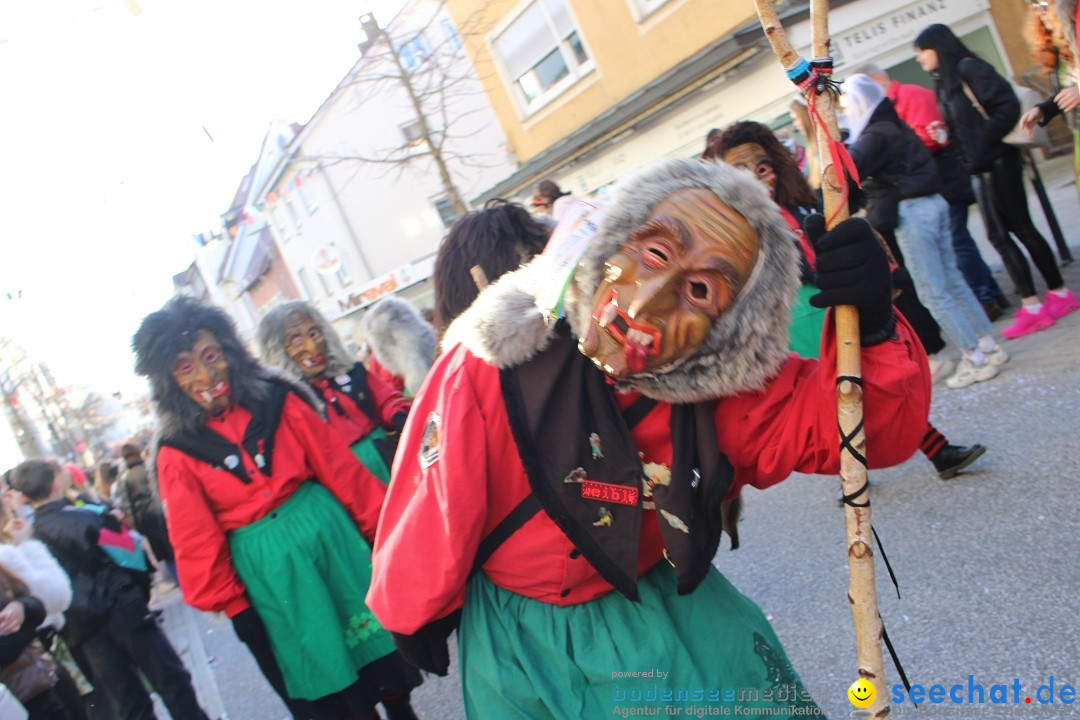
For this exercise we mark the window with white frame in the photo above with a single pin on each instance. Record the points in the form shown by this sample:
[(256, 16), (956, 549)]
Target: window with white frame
[(307, 199), (646, 7), (290, 208), (413, 133), (451, 33), (305, 283), (542, 52), (414, 52), (284, 231), (343, 275)]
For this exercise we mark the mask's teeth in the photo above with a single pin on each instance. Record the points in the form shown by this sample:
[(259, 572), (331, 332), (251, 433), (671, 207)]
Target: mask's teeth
[(640, 337), (608, 314)]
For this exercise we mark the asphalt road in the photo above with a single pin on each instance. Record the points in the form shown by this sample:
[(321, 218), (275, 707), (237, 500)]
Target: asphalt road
[(987, 562)]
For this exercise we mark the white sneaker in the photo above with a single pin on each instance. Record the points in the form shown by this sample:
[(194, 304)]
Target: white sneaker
[(997, 357), (941, 365), (968, 374)]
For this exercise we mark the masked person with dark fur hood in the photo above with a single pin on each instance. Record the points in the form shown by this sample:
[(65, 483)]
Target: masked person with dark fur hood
[(565, 460), (268, 514), (361, 407)]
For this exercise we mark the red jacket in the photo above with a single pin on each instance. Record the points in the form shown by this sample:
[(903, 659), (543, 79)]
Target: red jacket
[(203, 503), (917, 106), (435, 516)]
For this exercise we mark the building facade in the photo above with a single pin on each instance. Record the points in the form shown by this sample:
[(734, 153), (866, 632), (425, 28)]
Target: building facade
[(358, 200), (590, 90)]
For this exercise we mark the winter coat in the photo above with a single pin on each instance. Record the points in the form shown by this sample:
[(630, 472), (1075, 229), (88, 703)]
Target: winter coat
[(97, 584), (137, 500), (976, 137), (918, 108), (47, 581), (893, 164)]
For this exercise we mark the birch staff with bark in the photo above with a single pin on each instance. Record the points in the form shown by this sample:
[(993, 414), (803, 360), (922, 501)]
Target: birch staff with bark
[(813, 79)]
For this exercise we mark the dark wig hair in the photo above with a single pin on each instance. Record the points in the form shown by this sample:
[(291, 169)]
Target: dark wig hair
[(950, 51), (171, 330), (497, 239), (792, 188)]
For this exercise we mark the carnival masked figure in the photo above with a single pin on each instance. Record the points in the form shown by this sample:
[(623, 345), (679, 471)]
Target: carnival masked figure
[(564, 564), (360, 406), (269, 515)]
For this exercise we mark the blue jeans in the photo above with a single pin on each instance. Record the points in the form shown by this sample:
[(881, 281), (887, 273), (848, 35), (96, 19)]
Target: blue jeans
[(969, 260), (926, 242)]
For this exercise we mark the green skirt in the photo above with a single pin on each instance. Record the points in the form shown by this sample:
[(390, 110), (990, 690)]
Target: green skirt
[(807, 321), (307, 569), (369, 456), (522, 658)]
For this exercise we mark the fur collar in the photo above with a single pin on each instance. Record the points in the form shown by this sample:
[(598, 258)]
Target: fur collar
[(747, 344)]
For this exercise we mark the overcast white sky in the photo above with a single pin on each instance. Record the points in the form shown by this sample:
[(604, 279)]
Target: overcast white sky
[(107, 169)]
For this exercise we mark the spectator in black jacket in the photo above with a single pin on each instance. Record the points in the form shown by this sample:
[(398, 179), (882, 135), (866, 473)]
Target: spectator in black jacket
[(108, 619), (902, 185), (961, 77)]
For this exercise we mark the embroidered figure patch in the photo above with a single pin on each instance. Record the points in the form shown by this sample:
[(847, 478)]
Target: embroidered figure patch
[(429, 442), (655, 474), (597, 446), (606, 519)]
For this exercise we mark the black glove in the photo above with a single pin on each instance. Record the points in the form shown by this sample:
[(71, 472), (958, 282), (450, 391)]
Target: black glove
[(427, 648), (852, 269)]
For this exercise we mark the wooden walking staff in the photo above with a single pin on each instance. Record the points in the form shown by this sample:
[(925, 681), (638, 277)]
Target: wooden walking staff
[(812, 80)]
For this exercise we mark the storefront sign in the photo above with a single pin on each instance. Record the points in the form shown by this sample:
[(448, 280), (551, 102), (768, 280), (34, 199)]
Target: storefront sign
[(898, 27), (350, 301)]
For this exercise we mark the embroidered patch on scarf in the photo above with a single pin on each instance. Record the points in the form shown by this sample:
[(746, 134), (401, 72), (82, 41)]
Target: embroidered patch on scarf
[(608, 492), (429, 442)]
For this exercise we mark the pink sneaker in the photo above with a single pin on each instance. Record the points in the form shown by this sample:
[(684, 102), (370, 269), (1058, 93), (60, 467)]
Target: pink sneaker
[(1028, 322), (1058, 307)]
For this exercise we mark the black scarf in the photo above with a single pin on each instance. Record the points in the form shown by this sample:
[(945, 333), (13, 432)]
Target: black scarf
[(584, 469), (355, 385), (210, 447)]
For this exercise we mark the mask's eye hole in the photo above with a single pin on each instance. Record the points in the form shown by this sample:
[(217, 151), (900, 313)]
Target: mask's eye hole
[(700, 291), (184, 367), (656, 256), (211, 356)]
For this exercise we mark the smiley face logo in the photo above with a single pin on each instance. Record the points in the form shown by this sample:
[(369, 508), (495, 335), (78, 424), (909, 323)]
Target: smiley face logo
[(861, 693)]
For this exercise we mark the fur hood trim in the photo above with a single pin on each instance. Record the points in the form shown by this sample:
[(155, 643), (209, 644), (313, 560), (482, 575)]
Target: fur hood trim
[(401, 340), (270, 338), (746, 345)]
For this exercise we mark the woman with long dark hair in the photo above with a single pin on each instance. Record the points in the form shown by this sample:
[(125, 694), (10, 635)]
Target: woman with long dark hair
[(480, 247), (962, 79)]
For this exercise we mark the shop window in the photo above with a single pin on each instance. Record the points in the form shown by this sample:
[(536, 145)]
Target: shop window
[(542, 53)]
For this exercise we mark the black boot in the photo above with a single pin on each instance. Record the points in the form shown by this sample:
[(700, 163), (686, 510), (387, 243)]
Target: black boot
[(397, 707), (951, 459)]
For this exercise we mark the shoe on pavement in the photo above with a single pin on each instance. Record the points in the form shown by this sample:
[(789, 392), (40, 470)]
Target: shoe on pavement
[(993, 310), (951, 459), (1028, 322), (968, 374), (997, 357), (1058, 307), (941, 367)]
